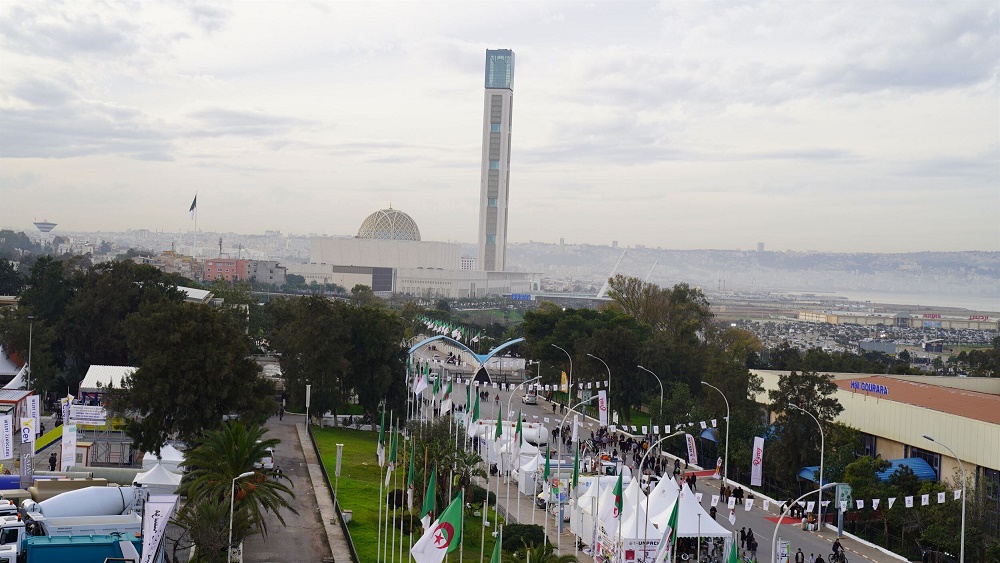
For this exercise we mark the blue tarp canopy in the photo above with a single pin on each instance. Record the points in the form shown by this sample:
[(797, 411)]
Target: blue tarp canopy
[(710, 434), (920, 468), (811, 473)]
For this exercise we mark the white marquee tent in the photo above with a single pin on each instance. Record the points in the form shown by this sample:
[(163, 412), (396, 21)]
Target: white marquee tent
[(170, 457), (159, 480)]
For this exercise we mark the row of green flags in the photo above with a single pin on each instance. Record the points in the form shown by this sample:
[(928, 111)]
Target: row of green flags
[(451, 330)]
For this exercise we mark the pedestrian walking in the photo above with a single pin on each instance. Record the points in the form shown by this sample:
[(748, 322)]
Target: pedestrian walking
[(800, 557), (52, 461), (743, 537), (281, 412)]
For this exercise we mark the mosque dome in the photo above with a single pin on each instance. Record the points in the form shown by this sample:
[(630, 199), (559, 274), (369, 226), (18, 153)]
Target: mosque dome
[(389, 224)]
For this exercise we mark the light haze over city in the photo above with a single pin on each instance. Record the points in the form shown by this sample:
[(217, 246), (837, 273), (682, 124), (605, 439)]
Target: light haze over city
[(834, 126)]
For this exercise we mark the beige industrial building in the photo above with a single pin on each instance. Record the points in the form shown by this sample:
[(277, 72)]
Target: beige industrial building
[(895, 412), (974, 321)]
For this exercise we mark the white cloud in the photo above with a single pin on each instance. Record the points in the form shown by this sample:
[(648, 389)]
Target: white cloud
[(675, 124)]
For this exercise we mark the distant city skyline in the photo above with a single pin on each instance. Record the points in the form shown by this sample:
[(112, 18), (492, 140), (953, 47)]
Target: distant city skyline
[(838, 127)]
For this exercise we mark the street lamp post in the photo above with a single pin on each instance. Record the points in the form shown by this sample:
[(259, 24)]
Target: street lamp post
[(725, 460), (31, 328), (822, 443), (961, 556), (774, 537), (559, 461), (658, 380), (610, 410), (569, 390), (232, 498), (523, 383), (642, 462)]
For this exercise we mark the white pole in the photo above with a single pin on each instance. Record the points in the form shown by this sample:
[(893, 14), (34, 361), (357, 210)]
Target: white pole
[(822, 447), (725, 460), (31, 328), (781, 516), (961, 557), (232, 499), (558, 461), (610, 402), (642, 462)]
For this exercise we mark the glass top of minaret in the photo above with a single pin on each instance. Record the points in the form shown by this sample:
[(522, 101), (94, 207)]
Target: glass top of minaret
[(500, 68)]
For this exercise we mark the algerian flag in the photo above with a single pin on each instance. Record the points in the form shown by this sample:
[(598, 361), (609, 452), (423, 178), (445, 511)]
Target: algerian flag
[(468, 395), (473, 418), (420, 383), (733, 558), (443, 536), (496, 548), (409, 477), (437, 385), (392, 459), (669, 538), (380, 448), (610, 515), (446, 400), (548, 471), (428, 508), (499, 430)]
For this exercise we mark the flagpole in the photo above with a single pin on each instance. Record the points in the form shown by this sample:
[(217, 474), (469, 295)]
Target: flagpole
[(395, 482), (378, 542)]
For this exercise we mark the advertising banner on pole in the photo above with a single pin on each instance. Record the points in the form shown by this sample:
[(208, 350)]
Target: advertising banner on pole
[(27, 431), (602, 406), (68, 447), (88, 414), (33, 412), (757, 467), (692, 449), (155, 514), (6, 437)]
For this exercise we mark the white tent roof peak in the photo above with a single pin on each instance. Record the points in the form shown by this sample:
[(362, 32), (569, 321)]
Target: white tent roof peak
[(158, 475)]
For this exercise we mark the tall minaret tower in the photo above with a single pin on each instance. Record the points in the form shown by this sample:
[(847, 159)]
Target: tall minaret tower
[(495, 177)]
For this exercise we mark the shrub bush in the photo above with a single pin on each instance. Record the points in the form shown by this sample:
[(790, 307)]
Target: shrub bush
[(479, 494), (516, 536)]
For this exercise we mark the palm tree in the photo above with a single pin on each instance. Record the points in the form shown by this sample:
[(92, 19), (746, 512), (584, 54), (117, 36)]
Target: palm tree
[(543, 553), (221, 456)]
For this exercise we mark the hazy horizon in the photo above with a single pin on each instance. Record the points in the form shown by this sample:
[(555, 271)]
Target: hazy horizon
[(832, 127)]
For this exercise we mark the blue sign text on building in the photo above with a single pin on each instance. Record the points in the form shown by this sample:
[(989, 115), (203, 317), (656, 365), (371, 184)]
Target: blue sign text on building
[(870, 387)]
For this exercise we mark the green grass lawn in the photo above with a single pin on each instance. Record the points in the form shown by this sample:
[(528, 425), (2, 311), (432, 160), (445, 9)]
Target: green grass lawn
[(359, 491)]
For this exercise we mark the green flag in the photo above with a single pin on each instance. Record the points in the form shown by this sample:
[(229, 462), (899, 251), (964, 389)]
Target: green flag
[(468, 396), (518, 431), (475, 410), (618, 497), (733, 558), (437, 385), (429, 497), (443, 537), (499, 430), (496, 548), (548, 471)]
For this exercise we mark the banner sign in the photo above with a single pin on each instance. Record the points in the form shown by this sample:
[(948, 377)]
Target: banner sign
[(86, 414), (692, 450), (6, 437), (68, 447), (602, 406), (33, 411), (155, 514), (27, 431), (757, 463)]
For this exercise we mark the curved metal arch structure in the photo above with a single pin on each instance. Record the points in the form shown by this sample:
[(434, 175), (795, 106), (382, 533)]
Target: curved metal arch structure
[(481, 358)]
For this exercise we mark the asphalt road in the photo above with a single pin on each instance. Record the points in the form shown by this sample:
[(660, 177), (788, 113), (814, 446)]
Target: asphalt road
[(303, 538)]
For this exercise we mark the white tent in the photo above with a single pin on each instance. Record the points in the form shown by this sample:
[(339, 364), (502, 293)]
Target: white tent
[(159, 480), (639, 535), (19, 380), (689, 524), (99, 378), (526, 475), (663, 495), (170, 457)]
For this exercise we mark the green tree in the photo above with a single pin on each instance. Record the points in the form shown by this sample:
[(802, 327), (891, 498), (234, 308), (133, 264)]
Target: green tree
[(312, 337), (377, 361), (220, 456), (798, 443), (362, 295), (11, 281), (194, 366)]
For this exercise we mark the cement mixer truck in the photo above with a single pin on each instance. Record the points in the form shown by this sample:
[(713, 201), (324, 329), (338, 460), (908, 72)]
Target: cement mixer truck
[(92, 511)]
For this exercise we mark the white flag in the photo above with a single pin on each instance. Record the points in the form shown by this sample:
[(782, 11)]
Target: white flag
[(909, 502), (958, 494), (747, 505), (843, 506), (732, 516), (925, 500), (757, 462), (420, 383), (576, 424), (715, 500), (860, 503), (940, 498), (714, 425), (875, 502), (656, 430), (645, 430), (732, 503), (810, 506), (698, 497), (892, 500), (767, 505), (703, 425), (68, 446), (27, 430)]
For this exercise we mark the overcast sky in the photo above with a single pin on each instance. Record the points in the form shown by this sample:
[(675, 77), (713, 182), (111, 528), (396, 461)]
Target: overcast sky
[(839, 126)]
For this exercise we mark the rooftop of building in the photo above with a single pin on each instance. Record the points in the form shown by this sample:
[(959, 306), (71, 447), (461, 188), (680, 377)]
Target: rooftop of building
[(928, 394)]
